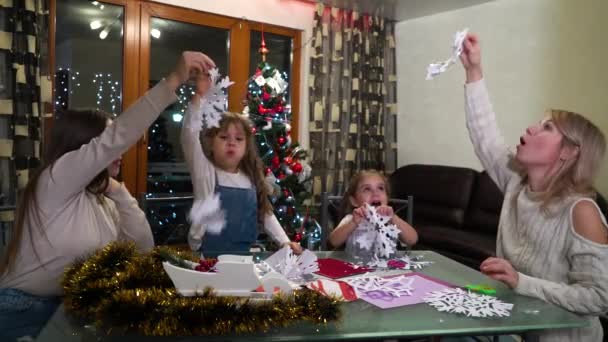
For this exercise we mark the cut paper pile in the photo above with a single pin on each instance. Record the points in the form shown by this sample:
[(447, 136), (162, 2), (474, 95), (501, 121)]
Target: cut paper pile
[(293, 267)]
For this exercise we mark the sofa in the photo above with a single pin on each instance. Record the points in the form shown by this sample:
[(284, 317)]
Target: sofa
[(456, 209)]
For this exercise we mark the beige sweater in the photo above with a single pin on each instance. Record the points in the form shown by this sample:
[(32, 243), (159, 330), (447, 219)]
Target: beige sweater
[(554, 263), (76, 223)]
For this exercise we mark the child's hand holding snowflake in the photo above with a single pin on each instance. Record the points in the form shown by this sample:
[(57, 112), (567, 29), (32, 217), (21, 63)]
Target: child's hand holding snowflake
[(203, 84), (359, 215), (385, 210)]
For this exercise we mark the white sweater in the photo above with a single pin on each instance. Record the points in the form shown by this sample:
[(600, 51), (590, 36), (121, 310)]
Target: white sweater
[(554, 263), (203, 174)]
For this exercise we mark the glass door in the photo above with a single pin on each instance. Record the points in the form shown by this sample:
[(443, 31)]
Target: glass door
[(168, 189)]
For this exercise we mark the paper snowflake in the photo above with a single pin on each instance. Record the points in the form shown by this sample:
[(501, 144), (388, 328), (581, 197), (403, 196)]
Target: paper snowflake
[(468, 303), (292, 266), (209, 212), (214, 102), (410, 263), (435, 69), (379, 235), (382, 286)]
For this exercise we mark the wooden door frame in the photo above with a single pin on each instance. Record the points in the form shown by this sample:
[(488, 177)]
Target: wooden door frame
[(136, 65)]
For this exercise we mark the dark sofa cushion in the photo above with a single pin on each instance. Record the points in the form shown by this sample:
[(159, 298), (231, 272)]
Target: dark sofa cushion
[(485, 206), (466, 243), (441, 193)]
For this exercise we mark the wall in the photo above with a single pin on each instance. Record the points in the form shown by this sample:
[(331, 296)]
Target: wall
[(287, 13), (537, 54)]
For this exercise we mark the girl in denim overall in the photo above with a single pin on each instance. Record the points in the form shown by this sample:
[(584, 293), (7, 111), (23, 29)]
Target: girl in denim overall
[(228, 164)]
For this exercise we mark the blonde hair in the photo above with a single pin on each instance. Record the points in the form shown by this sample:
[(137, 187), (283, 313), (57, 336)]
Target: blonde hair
[(251, 164), (353, 185), (576, 174)]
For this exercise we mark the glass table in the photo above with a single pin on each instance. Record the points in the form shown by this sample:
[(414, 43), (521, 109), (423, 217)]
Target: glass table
[(364, 321)]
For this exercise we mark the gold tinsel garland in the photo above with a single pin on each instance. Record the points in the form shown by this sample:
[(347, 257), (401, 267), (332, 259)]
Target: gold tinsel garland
[(123, 290)]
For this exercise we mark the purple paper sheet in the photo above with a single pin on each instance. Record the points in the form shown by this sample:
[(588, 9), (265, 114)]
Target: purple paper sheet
[(422, 285)]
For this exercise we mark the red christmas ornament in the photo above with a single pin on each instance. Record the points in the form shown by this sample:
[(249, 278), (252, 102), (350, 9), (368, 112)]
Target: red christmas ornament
[(297, 237), (206, 265), (254, 130), (262, 110), (288, 160), (286, 193), (268, 171), (266, 96), (258, 72), (297, 167), (281, 176), (278, 108), (281, 140), (275, 162)]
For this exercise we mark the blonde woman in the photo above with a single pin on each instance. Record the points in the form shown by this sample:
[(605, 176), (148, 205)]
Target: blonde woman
[(552, 238)]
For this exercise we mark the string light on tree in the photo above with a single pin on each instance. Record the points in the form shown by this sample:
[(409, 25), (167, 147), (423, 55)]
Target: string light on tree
[(284, 160)]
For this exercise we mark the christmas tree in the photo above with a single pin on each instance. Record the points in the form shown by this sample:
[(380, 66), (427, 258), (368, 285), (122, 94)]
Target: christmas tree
[(286, 169)]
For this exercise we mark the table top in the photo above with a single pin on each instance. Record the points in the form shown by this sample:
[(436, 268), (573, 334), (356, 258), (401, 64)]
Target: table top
[(362, 320)]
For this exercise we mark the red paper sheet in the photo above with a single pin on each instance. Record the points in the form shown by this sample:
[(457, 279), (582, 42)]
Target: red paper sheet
[(334, 268)]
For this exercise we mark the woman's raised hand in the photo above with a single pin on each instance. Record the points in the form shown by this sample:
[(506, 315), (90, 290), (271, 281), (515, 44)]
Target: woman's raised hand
[(190, 63), (471, 58)]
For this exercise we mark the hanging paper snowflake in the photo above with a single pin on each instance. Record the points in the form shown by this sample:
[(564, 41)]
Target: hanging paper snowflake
[(380, 235), (214, 102), (468, 303)]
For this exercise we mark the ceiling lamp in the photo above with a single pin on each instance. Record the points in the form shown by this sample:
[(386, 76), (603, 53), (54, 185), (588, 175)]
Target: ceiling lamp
[(95, 24), (155, 33)]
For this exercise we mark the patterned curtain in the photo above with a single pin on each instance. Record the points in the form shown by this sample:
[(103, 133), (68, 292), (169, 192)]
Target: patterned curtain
[(352, 97), (23, 39)]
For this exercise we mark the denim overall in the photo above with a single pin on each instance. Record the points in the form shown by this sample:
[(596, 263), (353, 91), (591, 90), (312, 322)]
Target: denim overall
[(241, 208), (23, 314)]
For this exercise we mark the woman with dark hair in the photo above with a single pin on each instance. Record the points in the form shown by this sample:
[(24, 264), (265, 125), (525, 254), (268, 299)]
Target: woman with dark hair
[(72, 205)]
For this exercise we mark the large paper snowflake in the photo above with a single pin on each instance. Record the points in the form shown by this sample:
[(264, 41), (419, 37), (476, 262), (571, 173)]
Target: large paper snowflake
[(468, 303), (293, 267), (435, 69), (380, 235), (375, 286), (214, 102)]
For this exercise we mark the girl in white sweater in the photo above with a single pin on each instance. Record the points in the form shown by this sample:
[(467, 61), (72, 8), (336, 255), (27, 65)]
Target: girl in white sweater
[(552, 238)]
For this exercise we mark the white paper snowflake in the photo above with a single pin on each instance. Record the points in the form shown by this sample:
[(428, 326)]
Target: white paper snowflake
[(392, 286), (435, 69), (292, 266), (414, 263), (208, 212), (214, 102), (468, 303), (380, 235)]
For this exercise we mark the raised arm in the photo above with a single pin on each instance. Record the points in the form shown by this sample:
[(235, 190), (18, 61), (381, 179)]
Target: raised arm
[(488, 142), (73, 171), (202, 171)]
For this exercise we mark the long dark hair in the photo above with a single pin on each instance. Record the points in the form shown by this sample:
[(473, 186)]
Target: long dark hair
[(251, 164), (71, 129)]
